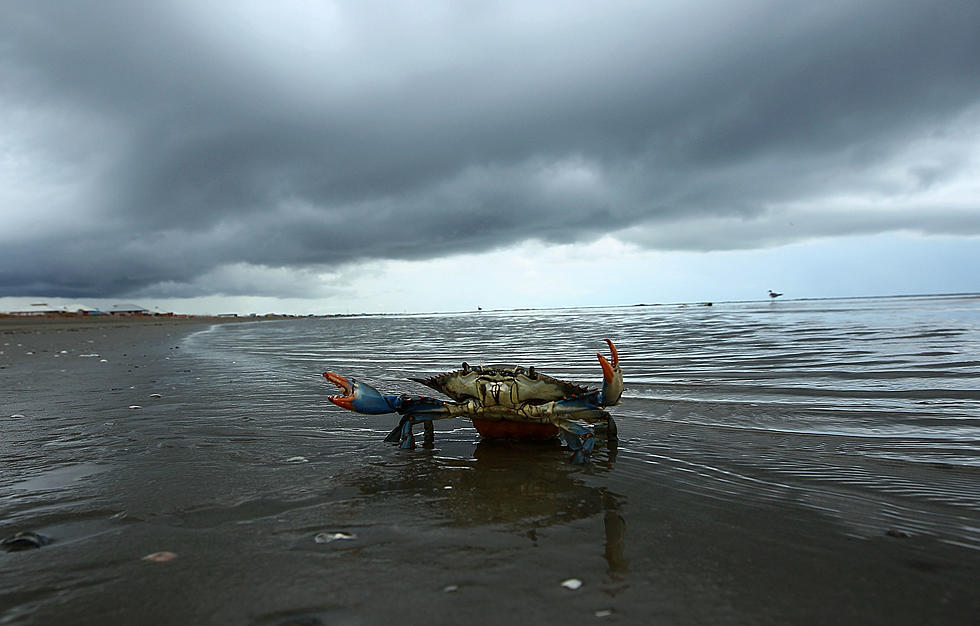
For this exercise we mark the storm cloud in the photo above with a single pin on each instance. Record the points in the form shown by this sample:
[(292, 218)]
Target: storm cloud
[(191, 148)]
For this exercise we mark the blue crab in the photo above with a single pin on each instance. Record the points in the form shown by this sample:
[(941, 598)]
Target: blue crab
[(502, 401)]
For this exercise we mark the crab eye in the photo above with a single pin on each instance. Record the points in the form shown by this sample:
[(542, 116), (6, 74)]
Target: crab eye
[(531, 374), (466, 367)]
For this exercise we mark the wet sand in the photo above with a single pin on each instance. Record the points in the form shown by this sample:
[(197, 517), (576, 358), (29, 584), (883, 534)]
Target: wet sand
[(449, 535)]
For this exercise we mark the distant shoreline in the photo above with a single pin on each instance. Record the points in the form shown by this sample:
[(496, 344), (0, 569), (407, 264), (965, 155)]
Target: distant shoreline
[(39, 323), (77, 320)]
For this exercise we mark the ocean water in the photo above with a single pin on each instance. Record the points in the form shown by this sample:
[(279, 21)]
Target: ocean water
[(777, 462), (878, 396)]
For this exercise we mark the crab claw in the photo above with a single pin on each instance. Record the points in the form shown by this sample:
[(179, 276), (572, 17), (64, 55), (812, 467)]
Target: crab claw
[(612, 376), (347, 400), (359, 397)]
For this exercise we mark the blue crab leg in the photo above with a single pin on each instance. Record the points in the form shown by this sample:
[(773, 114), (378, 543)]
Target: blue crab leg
[(579, 407), (363, 398), (415, 409), (407, 436), (395, 435), (579, 438), (403, 435)]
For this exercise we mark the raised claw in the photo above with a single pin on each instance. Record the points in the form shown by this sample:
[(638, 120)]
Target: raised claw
[(612, 376), (609, 366)]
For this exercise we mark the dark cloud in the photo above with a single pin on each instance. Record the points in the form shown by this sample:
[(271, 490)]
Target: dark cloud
[(170, 148)]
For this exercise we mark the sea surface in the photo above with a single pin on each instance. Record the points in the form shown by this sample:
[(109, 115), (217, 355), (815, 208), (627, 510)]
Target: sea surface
[(881, 395), (775, 460)]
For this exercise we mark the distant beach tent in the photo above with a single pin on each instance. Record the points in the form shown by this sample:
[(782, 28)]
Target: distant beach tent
[(773, 294), (128, 309)]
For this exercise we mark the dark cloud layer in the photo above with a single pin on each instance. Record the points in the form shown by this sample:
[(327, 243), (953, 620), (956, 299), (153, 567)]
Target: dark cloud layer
[(167, 144)]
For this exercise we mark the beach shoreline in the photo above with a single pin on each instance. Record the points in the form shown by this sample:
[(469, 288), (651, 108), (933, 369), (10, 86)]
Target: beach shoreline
[(121, 439), (10, 324)]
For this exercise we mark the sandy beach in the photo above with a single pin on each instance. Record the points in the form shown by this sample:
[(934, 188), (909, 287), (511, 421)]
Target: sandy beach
[(118, 445), (10, 324)]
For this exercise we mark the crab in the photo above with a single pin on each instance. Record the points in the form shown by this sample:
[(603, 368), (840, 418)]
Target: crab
[(502, 401)]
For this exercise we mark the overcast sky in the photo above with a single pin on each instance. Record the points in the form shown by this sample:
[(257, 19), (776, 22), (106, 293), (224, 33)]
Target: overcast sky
[(304, 156)]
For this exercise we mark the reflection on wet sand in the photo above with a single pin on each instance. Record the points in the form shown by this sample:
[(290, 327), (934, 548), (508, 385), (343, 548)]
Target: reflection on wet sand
[(522, 487), (615, 527)]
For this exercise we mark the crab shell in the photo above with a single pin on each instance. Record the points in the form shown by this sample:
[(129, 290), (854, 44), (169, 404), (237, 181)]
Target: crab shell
[(501, 391)]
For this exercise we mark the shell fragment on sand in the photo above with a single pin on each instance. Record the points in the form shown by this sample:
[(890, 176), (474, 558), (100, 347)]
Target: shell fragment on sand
[(330, 537)]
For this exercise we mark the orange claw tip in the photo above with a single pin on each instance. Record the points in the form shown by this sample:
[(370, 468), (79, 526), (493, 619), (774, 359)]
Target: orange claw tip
[(340, 381), (607, 368), (612, 350), (346, 402)]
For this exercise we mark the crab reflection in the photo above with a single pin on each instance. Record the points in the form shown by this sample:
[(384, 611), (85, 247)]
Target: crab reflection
[(522, 487)]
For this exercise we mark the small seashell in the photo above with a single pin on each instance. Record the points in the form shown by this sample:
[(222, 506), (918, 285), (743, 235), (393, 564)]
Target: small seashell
[(450, 588), (155, 395), (328, 537), (160, 557), (571, 583), (135, 406), (603, 612), (297, 459), (448, 487), (17, 415), (103, 360)]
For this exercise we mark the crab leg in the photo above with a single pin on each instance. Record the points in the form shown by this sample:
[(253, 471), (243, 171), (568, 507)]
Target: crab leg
[(363, 398), (415, 409), (579, 438)]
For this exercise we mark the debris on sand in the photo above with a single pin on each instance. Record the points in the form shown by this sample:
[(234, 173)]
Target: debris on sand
[(24, 540), (329, 537)]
